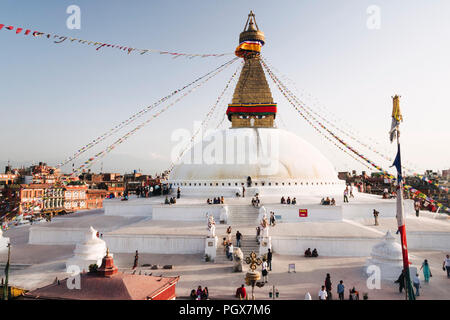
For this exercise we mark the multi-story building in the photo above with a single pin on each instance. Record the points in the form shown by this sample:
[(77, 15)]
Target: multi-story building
[(94, 198), (75, 197), (54, 199)]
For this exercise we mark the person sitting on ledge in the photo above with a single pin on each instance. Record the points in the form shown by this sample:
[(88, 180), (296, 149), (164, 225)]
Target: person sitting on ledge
[(167, 200), (327, 201), (314, 253), (208, 201), (241, 293), (193, 295), (253, 201), (294, 201), (283, 201), (322, 202), (333, 202), (222, 200), (288, 201), (308, 253)]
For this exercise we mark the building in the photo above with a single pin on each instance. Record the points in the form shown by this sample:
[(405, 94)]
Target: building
[(75, 197), (54, 199), (94, 198), (107, 283)]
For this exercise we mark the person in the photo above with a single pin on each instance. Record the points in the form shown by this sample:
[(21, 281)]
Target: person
[(327, 201), (323, 294), (199, 292), (315, 254), (229, 234), (193, 295), (351, 192), (272, 218), (227, 250), (294, 201), (416, 284), (243, 192), (375, 216), (224, 243), (288, 201), (222, 200), (264, 270), (258, 232), (253, 201), (417, 207), (208, 201), (283, 201), (322, 202), (346, 195), (241, 293), (178, 193), (136, 258), (446, 265), (401, 281), (205, 293), (333, 202), (238, 239), (426, 271), (167, 200), (230, 251), (308, 253), (340, 290), (328, 286), (269, 259), (354, 295)]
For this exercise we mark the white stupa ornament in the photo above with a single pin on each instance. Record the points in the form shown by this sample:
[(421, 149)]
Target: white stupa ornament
[(3, 241), (387, 255), (90, 251)]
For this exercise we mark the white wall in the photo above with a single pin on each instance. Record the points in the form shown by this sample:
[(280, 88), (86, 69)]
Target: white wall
[(337, 247), (47, 235), (290, 213), (434, 240), (186, 212), (155, 243), (127, 208)]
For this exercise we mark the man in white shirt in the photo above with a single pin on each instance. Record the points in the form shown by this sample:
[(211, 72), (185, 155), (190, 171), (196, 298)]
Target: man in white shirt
[(446, 265), (323, 294), (264, 270)]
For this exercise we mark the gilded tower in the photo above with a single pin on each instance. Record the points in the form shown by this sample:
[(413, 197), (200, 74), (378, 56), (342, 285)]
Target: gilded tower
[(252, 104)]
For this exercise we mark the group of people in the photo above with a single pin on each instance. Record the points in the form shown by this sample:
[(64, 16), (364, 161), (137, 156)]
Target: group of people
[(228, 244), (288, 200), (200, 294), (313, 254), (256, 202), (328, 202), (325, 292), (172, 200), (348, 192), (218, 200)]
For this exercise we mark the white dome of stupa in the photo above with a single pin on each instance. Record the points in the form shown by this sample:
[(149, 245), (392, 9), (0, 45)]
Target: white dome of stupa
[(271, 157)]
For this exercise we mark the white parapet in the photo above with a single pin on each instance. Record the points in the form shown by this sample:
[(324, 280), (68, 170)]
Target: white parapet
[(90, 251), (178, 212), (265, 243)]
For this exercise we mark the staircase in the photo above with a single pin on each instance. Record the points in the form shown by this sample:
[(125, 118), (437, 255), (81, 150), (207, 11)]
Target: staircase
[(243, 218)]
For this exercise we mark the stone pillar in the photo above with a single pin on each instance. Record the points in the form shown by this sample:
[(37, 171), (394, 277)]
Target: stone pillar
[(224, 215), (211, 247)]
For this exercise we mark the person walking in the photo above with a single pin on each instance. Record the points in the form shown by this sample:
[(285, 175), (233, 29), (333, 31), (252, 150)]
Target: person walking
[(323, 294), (446, 265), (265, 272), (178, 193), (416, 284), (417, 207), (426, 271), (346, 195), (375, 216), (136, 258), (401, 281), (341, 290), (328, 286), (243, 192), (269, 259), (238, 239), (229, 234)]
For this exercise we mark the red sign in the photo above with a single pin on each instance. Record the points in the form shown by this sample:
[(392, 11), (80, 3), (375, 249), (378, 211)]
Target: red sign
[(302, 213)]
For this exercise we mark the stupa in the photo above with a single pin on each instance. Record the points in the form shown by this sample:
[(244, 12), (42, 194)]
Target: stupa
[(3, 241), (256, 154), (91, 251)]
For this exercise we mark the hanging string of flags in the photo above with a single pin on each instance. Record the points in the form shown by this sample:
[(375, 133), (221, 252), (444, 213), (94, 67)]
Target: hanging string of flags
[(287, 92), (101, 154), (206, 119), (304, 105), (348, 133), (136, 116), (100, 45)]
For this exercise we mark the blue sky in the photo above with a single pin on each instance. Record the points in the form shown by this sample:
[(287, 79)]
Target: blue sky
[(55, 98)]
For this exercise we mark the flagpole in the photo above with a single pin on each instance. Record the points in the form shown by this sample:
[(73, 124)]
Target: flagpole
[(409, 293)]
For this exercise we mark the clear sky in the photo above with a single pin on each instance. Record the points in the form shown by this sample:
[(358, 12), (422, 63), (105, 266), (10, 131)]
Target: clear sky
[(55, 98)]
